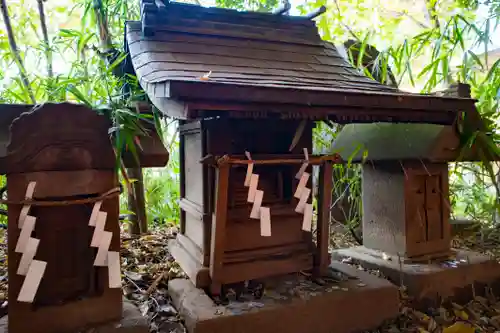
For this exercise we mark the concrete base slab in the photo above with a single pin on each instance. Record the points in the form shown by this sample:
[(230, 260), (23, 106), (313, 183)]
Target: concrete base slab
[(356, 303), (132, 322), (459, 277)]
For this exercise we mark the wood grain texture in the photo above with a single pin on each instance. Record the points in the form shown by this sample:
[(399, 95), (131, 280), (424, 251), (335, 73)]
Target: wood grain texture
[(82, 143)]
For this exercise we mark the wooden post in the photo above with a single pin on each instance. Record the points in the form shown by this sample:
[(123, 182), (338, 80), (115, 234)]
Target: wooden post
[(182, 171), (322, 260), (136, 203), (219, 228)]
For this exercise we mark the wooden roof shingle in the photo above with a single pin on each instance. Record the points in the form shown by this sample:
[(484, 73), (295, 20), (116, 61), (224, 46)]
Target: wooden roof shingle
[(186, 55)]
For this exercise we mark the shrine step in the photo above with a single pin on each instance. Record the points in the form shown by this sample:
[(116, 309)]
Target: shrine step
[(463, 275), (358, 303), (132, 322)]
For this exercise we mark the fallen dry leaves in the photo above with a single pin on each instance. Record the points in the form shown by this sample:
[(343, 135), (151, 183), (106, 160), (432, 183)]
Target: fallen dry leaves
[(480, 315), (147, 266)]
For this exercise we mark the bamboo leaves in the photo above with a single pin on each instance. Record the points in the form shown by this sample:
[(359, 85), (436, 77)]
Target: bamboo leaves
[(15, 51)]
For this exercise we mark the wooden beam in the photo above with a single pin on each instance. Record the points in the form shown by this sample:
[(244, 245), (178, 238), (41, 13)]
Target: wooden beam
[(202, 107), (184, 90), (270, 159), (339, 115)]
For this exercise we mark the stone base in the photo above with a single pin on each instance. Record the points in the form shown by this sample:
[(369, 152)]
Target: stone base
[(132, 322), (460, 277), (357, 303)]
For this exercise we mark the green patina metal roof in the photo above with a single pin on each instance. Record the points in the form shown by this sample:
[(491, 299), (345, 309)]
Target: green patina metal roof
[(386, 141)]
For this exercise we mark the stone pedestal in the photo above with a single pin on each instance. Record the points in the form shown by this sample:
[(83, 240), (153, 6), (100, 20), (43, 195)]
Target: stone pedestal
[(132, 322), (459, 277), (359, 303)]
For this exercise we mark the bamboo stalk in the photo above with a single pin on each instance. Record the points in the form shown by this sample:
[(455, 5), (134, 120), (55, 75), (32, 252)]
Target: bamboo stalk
[(15, 50), (48, 51)]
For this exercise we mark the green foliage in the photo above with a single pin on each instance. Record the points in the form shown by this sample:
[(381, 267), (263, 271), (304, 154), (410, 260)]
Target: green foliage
[(253, 5), (473, 194), (162, 184)]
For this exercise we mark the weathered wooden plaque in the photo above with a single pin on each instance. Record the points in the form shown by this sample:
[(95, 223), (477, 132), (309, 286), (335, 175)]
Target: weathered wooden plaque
[(65, 151)]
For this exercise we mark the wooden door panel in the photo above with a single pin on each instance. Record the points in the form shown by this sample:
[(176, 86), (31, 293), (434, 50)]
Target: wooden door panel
[(426, 215), (65, 245)]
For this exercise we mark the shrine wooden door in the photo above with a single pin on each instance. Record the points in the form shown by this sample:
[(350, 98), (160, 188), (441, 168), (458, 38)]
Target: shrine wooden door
[(427, 210)]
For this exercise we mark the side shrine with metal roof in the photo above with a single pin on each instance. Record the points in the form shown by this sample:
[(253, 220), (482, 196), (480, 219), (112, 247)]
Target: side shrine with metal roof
[(247, 89)]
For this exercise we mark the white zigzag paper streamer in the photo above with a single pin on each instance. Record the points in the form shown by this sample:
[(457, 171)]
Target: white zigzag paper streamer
[(30, 190), (255, 197), (302, 193), (33, 270), (101, 239)]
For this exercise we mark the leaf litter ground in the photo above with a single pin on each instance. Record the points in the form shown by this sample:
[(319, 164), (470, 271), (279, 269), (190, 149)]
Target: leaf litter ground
[(147, 267)]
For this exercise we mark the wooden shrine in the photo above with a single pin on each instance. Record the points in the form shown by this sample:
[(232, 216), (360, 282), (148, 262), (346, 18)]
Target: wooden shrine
[(405, 193), (64, 236), (247, 89), (218, 184)]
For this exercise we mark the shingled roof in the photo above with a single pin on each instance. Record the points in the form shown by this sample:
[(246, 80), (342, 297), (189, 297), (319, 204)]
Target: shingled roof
[(190, 59)]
